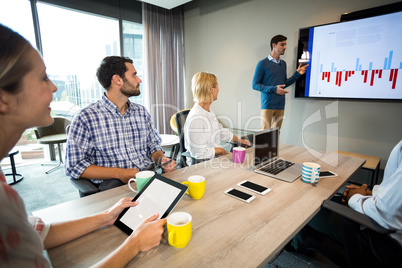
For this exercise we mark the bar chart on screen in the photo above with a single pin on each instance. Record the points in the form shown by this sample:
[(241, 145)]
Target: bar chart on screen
[(358, 59), (368, 75)]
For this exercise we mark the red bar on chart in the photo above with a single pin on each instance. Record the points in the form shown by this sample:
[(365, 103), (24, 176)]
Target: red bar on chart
[(365, 76), (394, 78), (372, 77), (338, 78)]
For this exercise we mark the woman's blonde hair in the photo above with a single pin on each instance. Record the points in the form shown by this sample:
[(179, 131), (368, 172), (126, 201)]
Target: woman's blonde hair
[(201, 86), (14, 60)]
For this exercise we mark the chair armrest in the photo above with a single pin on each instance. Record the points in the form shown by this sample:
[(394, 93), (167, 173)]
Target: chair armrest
[(85, 186), (355, 216), (193, 159), (37, 134)]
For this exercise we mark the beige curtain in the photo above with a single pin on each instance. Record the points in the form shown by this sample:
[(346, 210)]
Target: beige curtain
[(164, 63)]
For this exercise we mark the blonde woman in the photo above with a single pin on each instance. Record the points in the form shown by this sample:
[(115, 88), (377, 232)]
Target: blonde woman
[(202, 131), (25, 96)]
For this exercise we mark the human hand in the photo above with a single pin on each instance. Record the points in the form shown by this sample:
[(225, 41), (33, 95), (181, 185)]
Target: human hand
[(352, 190), (127, 174), (280, 90), (245, 142), (302, 69), (171, 166), (112, 213), (148, 234), (219, 151)]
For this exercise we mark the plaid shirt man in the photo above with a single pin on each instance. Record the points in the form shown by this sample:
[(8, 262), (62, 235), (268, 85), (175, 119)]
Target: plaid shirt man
[(100, 135)]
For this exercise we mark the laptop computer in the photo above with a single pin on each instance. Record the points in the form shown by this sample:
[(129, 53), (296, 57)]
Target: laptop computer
[(266, 160)]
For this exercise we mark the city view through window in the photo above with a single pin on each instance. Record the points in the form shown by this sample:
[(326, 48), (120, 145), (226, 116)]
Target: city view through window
[(74, 44)]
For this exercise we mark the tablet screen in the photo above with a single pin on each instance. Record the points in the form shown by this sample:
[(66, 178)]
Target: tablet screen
[(160, 195)]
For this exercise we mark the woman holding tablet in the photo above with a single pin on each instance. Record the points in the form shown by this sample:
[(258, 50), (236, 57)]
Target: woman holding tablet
[(25, 95), (203, 132)]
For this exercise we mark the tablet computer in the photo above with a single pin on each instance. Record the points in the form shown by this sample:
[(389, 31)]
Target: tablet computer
[(159, 195)]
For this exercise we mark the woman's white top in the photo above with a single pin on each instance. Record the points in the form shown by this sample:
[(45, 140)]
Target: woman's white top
[(203, 133)]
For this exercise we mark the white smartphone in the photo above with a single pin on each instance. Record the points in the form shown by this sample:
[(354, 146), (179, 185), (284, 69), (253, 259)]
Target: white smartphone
[(256, 188), (327, 174), (240, 195)]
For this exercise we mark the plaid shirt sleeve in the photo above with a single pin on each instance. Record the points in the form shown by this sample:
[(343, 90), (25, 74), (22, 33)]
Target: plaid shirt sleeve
[(154, 140), (79, 147)]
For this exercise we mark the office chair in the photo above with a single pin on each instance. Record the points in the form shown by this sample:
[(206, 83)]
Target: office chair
[(51, 135), (173, 124), (355, 252), (181, 117)]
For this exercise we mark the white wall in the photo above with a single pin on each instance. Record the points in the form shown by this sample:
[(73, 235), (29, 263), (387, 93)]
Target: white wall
[(229, 37)]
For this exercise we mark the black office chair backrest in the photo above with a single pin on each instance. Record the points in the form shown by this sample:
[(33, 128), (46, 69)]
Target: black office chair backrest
[(180, 121), (57, 127), (387, 252)]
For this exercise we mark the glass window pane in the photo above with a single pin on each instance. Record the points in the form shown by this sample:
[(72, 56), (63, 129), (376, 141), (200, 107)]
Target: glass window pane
[(17, 15), (74, 43), (132, 45)]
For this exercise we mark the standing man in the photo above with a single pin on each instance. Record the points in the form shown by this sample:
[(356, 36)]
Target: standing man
[(111, 140), (270, 79)]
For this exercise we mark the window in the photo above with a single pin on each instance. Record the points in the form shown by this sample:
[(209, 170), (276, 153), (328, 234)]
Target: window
[(132, 46), (74, 43), (20, 21)]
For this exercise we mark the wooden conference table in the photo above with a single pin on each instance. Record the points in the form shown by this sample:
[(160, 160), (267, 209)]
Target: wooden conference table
[(226, 232)]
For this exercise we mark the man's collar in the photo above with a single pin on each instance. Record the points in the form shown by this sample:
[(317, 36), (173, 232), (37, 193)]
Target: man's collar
[(270, 58), (112, 107)]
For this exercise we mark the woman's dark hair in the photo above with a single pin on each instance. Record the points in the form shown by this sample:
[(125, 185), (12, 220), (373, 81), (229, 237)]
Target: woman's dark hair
[(278, 38), (110, 66), (14, 63)]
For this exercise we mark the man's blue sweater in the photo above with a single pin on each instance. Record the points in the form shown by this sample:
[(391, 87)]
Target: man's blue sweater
[(267, 76)]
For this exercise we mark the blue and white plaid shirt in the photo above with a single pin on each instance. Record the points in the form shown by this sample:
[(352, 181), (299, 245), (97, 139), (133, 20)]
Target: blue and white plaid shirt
[(100, 135)]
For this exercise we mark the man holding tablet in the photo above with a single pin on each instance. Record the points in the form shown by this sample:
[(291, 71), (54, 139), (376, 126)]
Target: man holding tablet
[(270, 79), (111, 140)]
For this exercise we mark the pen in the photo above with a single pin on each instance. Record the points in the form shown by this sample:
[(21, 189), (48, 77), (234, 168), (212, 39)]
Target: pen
[(167, 162)]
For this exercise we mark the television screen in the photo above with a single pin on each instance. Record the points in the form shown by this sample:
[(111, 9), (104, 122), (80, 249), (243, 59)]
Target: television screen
[(359, 59)]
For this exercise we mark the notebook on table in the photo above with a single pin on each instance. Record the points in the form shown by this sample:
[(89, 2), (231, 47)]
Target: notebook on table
[(266, 160)]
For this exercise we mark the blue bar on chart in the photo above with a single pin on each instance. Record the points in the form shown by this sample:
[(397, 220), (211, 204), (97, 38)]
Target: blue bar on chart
[(371, 66), (390, 59), (321, 68), (333, 69), (357, 64), (400, 65)]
